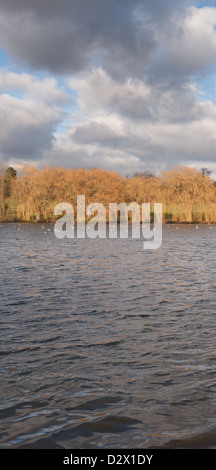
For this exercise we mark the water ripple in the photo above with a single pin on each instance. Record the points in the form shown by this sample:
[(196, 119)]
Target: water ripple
[(106, 345)]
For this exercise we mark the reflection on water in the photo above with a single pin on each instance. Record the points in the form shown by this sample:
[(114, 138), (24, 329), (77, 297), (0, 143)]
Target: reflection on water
[(104, 344)]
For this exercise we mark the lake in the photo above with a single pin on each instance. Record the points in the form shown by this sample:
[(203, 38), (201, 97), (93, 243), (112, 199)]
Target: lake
[(104, 344)]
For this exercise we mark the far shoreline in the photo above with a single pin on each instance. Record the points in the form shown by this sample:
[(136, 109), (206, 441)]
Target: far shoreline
[(52, 222)]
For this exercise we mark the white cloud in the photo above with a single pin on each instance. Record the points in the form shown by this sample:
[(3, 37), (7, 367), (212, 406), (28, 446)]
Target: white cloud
[(187, 46), (170, 129), (44, 89), (27, 123)]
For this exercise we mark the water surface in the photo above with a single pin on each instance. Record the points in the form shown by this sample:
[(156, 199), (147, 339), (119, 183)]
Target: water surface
[(105, 345)]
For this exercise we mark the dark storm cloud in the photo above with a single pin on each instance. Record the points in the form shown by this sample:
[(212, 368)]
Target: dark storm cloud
[(67, 36)]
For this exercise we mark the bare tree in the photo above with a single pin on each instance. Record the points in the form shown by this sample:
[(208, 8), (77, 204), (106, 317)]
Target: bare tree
[(206, 172)]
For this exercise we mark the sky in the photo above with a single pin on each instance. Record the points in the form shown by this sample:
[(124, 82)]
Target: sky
[(126, 85)]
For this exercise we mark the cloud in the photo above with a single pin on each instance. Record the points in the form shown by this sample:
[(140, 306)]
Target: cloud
[(188, 47), (97, 90), (135, 100), (128, 126), (26, 127), (95, 132), (173, 129), (133, 68), (68, 36), (45, 89), (158, 39), (27, 123)]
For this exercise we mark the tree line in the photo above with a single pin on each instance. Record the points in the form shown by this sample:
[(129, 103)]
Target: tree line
[(30, 195)]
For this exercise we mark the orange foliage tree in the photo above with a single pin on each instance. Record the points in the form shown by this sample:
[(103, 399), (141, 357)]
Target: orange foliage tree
[(187, 195)]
